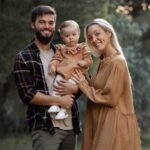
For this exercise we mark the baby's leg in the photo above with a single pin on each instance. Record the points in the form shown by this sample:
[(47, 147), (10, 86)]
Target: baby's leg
[(57, 79), (62, 114), (55, 108), (71, 81)]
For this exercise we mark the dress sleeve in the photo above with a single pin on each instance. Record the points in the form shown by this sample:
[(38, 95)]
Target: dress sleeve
[(113, 89)]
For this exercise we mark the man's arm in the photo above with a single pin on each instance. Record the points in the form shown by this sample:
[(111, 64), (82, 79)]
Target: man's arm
[(27, 89), (46, 100)]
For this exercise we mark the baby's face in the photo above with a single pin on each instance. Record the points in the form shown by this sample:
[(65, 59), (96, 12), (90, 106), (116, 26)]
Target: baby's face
[(70, 35)]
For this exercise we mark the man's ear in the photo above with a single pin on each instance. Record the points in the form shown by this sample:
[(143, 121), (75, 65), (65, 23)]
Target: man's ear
[(32, 25)]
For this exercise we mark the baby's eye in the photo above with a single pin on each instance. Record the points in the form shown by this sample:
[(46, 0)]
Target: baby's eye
[(66, 35), (74, 34)]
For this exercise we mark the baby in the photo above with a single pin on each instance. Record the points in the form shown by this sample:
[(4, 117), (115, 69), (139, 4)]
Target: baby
[(69, 56)]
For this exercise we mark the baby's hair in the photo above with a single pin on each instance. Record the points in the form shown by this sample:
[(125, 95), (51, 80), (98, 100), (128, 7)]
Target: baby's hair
[(68, 23)]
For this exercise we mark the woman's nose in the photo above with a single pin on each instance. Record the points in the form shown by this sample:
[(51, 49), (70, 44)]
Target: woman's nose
[(93, 39)]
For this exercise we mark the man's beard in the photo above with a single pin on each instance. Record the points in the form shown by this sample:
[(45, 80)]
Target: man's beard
[(43, 39)]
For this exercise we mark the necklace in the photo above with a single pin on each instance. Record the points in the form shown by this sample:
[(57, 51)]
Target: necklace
[(107, 59)]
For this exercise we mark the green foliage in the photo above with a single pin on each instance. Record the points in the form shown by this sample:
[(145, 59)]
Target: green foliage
[(130, 34)]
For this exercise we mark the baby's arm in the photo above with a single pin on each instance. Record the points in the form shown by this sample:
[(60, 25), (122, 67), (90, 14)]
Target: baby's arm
[(52, 68), (57, 58), (87, 58), (83, 63)]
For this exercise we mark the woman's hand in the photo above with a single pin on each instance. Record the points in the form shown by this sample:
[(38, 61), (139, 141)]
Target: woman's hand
[(64, 87), (78, 76)]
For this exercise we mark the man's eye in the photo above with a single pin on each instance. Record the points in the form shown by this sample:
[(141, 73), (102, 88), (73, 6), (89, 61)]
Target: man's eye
[(51, 23), (42, 22)]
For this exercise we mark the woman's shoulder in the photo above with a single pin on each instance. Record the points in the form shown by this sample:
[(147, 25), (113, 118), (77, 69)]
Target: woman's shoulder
[(119, 60)]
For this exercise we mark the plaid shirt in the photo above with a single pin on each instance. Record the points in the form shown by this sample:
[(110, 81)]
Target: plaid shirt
[(30, 79)]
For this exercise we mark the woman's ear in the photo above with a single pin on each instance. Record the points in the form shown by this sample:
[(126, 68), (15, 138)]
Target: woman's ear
[(109, 33)]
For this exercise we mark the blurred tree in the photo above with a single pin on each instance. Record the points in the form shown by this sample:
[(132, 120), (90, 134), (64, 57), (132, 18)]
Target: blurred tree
[(14, 33), (130, 34), (137, 44), (132, 7)]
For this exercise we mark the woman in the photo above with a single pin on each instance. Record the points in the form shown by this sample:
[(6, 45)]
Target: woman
[(110, 122)]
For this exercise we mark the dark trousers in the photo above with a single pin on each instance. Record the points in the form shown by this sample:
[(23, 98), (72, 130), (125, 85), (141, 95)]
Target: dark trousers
[(61, 140)]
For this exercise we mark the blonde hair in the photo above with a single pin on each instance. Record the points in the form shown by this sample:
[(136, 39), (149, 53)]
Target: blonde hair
[(68, 23), (107, 27)]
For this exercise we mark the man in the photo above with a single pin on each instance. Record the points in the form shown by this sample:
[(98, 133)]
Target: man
[(34, 85)]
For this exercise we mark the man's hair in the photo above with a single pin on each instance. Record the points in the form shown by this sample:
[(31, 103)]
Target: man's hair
[(42, 10)]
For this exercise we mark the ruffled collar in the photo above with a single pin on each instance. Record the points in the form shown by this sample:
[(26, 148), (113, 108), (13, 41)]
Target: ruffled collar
[(74, 50)]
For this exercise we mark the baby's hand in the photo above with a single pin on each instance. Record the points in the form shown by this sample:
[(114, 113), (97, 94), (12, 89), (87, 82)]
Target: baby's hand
[(52, 70), (82, 63)]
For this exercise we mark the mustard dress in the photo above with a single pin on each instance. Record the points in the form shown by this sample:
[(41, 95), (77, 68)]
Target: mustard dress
[(110, 121)]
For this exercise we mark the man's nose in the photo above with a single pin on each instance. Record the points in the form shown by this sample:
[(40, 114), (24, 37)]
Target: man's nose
[(47, 25)]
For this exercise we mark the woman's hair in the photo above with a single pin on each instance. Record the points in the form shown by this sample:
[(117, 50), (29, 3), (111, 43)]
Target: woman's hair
[(42, 10), (107, 27), (68, 23)]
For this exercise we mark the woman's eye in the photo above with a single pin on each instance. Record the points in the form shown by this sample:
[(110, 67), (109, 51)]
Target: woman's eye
[(89, 38), (97, 33)]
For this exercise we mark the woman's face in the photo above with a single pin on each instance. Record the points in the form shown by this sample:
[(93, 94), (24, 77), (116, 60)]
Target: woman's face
[(98, 37)]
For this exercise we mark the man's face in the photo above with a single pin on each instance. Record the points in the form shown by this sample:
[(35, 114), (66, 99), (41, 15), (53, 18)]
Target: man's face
[(44, 28)]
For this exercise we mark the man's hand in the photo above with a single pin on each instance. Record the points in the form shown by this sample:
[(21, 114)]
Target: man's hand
[(64, 87), (66, 101)]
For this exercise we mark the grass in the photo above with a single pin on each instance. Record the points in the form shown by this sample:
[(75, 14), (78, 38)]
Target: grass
[(23, 142)]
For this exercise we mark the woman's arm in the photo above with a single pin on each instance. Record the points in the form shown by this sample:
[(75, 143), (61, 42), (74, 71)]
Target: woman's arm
[(111, 92)]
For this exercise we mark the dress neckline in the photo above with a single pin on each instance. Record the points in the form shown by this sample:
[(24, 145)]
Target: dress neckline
[(109, 58)]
